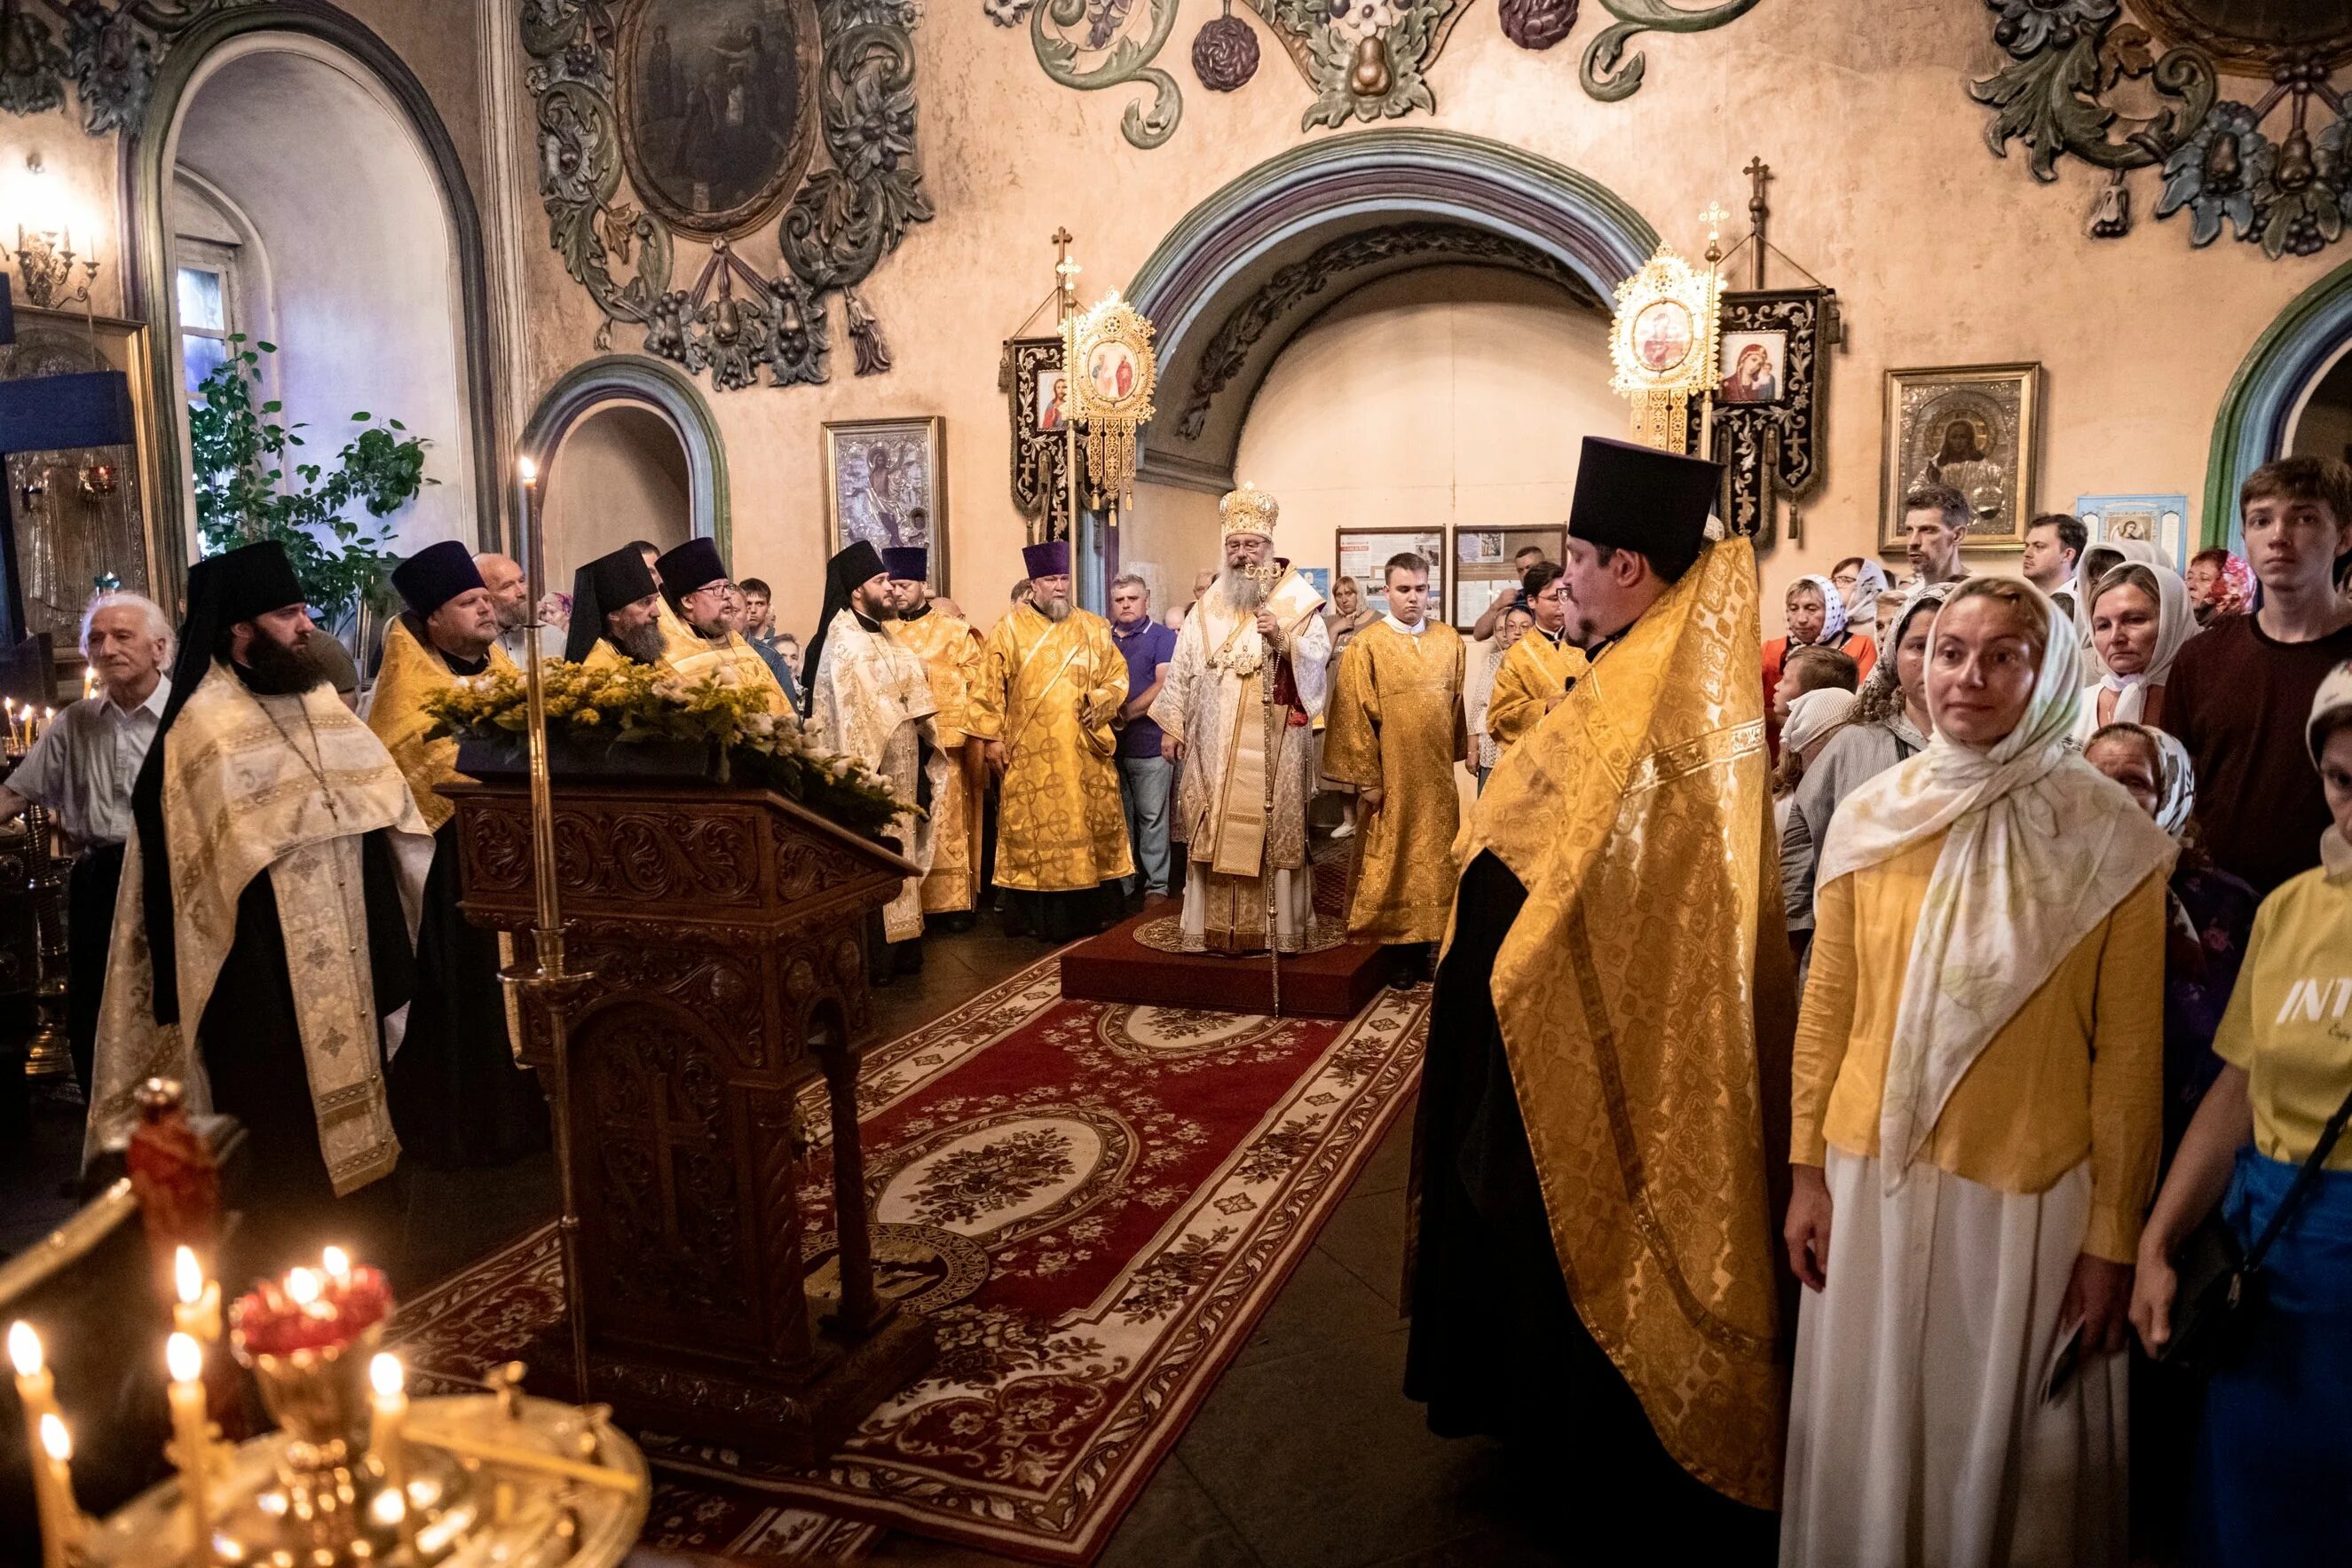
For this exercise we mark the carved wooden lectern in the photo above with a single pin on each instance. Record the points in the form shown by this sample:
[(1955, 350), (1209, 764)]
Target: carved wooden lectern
[(722, 928)]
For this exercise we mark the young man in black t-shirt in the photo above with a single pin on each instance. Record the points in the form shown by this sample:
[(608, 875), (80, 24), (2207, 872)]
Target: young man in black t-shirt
[(2241, 690)]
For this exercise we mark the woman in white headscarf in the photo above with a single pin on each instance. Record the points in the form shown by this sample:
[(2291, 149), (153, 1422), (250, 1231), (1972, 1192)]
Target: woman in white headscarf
[(1861, 581), (1976, 1073), (1816, 618), (2140, 618), (2098, 560)]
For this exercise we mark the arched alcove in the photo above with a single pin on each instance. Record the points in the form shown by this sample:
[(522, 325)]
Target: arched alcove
[(2272, 394), (1251, 265), (339, 194), (637, 434)]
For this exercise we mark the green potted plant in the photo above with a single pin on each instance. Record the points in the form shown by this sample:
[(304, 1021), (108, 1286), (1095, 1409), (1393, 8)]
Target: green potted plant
[(252, 484)]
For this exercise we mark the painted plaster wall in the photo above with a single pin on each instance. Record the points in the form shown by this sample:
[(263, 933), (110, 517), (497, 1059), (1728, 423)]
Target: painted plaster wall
[(1451, 397), (619, 475), (1941, 253)]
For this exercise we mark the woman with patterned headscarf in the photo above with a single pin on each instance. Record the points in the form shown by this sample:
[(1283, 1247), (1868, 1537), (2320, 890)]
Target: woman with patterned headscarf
[(2139, 620), (1817, 618), (1974, 1104)]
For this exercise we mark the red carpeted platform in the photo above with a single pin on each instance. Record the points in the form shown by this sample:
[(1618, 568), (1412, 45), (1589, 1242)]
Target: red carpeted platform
[(1115, 968)]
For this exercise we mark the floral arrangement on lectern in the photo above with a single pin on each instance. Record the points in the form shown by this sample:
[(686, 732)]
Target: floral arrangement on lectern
[(628, 704)]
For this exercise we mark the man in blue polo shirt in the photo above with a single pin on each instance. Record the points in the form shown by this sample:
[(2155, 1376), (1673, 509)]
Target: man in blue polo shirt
[(1144, 775)]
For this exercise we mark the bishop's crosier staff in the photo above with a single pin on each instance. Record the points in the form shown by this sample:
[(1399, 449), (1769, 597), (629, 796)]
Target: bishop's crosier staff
[(547, 978)]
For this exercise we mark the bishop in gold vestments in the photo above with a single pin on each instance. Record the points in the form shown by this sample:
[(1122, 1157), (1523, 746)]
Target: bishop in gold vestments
[(1050, 681), (458, 1099), (1395, 725), (1237, 711), (950, 656)]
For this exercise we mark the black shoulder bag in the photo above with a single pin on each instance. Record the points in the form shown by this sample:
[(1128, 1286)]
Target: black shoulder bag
[(2220, 1292)]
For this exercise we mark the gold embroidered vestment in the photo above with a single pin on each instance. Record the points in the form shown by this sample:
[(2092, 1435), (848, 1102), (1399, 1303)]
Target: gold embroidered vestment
[(1047, 690), (1395, 725)]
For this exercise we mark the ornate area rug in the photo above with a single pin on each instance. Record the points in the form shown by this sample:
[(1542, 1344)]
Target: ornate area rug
[(1094, 1203)]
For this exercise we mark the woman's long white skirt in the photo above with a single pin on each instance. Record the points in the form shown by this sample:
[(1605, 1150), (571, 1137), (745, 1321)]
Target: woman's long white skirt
[(1917, 1431)]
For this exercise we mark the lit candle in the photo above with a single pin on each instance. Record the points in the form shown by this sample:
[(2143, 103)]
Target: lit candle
[(337, 1265), (190, 1423), (197, 1311), (88, 684), (384, 1436), (62, 1524), (37, 1390)]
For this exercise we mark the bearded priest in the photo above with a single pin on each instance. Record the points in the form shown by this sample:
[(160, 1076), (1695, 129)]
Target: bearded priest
[(1051, 680), (950, 658), (1241, 700), (458, 1098), (271, 893), (1603, 1128), (617, 612), (869, 699), (695, 584)]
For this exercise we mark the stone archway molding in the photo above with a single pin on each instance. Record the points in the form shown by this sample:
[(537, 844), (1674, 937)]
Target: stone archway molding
[(1541, 217), (146, 155), (645, 382), (2264, 396)]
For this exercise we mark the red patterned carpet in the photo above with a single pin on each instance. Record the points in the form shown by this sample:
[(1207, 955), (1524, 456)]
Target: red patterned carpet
[(1094, 1202)]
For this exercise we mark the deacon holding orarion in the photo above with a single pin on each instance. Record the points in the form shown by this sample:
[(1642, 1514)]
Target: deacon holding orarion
[(1051, 680), (617, 612), (458, 1097), (1238, 709), (1603, 1122), (267, 917), (950, 656), (694, 582), (870, 698), (1395, 731)]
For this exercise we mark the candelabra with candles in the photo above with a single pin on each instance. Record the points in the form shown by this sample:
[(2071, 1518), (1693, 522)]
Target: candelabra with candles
[(48, 1053), (357, 1475)]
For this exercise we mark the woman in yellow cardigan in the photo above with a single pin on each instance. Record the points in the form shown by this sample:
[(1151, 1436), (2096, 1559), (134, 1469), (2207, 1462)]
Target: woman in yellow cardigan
[(1978, 1094)]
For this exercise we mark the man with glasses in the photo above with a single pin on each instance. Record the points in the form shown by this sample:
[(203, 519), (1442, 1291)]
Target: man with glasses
[(1541, 665), (694, 582)]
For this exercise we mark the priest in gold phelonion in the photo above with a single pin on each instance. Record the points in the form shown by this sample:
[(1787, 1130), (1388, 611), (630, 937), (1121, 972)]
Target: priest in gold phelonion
[(694, 583), (1603, 1126), (458, 1100), (1051, 680), (1238, 709)]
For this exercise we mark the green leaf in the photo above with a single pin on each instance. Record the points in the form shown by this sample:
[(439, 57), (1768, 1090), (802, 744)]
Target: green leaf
[(266, 348), (362, 415)]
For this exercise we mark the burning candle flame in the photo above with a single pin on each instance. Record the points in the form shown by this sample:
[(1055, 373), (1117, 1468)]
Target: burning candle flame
[(184, 1357), (56, 1442), (24, 1349), (337, 1264), (186, 1276), (302, 1285), (528, 469), (384, 1373)]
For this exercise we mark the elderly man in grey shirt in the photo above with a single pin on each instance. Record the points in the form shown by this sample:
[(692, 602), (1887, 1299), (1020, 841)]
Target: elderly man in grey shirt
[(82, 770)]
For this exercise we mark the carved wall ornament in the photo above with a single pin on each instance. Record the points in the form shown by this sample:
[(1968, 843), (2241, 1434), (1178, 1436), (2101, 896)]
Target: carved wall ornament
[(110, 53), (2263, 168), (1224, 52), (1607, 72), (714, 113), (1537, 24), (1365, 59)]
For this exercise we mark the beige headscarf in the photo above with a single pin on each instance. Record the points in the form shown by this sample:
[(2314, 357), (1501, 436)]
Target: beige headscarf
[(2039, 848)]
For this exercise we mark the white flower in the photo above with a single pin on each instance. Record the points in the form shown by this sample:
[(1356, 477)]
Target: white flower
[(1360, 19), (1007, 13)]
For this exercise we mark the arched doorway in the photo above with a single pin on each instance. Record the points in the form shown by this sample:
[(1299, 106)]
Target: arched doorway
[(629, 451), (2293, 394), (292, 182), (1257, 262)]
